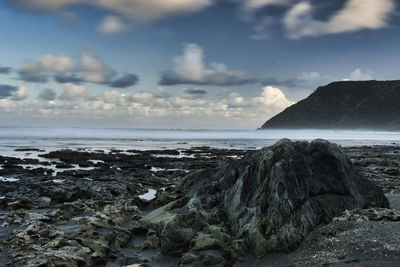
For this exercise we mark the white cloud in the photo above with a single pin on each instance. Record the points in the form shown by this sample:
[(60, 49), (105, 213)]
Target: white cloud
[(360, 75), (274, 98), (94, 69), (255, 4), (190, 68), (6, 104), (144, 10), (49, 62), (111, 25), (138, 10), (90, 66), (73, 92), (191, 65), (114, 97), (310, 76), (355, 15), (234, 110), (20, 94), (47, 5)]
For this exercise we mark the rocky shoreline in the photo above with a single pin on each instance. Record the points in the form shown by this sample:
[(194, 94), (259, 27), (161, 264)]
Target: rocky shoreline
[(79, 208)]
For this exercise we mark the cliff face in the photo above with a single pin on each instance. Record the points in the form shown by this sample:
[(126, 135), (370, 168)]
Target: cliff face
[(345, 105)]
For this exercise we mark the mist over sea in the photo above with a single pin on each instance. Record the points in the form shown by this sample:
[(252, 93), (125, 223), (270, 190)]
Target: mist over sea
[(49, 139)]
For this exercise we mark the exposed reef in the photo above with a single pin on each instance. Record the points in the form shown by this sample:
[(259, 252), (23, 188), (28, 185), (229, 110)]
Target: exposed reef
[(201, 206)]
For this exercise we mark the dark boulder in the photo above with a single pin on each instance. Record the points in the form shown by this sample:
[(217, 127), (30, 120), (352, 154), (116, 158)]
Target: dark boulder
[(266, 202)]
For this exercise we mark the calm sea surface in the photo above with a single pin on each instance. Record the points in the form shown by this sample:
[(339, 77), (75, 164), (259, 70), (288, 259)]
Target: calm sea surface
[(49, 139)]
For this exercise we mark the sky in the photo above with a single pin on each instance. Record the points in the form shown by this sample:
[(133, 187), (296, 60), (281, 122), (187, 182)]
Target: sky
[(208, 64)]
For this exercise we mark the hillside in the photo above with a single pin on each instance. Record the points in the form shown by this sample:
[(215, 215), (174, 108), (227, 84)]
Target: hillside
[(345, 105)]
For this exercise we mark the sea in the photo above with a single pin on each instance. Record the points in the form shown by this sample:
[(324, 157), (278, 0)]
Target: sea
[(107, 139)]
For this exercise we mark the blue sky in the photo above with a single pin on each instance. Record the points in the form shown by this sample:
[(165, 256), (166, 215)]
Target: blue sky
[(184, 63)]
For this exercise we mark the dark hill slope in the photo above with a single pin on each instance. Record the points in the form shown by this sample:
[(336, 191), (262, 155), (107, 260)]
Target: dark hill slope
[(345, 105)]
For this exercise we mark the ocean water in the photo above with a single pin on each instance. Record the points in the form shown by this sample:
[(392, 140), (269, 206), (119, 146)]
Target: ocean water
[(50, 139)]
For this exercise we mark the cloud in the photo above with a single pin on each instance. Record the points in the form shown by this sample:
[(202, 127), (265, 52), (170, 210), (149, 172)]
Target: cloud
[(7, 90), (360, 75), (15, 93), (49, 63), (93, 68), (20, 93), (33, 77), (162, 94), (88, 68), (31, 71), (310, 76), (271, 97), (311, 18), (191, 69), (68, 78), (73, 92), (5, 70), (256, 4), (232, 106), (46, 5), (111, 25), (193, 94), (137, 10), (355, 15), (127, 99), (47, 94), (125, 81), (6, 105), (274, 97), (306, 80), (127, 109)]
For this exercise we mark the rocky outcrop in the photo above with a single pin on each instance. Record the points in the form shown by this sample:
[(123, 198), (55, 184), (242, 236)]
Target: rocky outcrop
[(347, 104), (266, 202)]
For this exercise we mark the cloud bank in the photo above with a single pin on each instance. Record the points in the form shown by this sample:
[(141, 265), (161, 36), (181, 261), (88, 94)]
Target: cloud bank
[(191, 105), (302, 18)]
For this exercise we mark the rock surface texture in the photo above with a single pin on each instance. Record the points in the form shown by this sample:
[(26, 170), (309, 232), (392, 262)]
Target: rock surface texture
[(266, 202)]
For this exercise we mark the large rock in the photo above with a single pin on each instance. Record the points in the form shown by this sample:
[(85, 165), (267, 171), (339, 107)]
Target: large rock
[(266, 202)]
